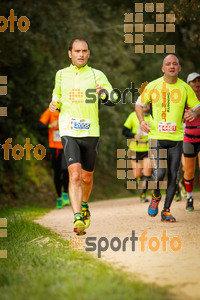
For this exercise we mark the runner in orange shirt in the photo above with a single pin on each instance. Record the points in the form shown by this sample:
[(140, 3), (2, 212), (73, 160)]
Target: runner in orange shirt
[(49, 120)]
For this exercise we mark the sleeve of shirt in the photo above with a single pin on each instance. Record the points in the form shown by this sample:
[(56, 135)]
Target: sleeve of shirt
[(138, 102), (127, 133), (45, 117), (57, 89), (102, 81), (128, 122), (192, 100)]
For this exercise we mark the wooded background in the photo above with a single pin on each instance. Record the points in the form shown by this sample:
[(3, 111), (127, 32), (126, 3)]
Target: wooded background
[(30, 61)]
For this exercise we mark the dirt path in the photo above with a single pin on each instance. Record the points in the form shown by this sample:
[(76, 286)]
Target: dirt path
[(118, 218)]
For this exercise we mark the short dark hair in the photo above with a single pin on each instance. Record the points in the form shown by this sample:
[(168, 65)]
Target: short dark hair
[(77, 39)]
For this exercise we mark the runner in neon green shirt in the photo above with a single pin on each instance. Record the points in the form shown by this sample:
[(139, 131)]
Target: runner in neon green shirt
[(76, 93), (138, 147), (168, 99), (70, 89), (169, 96)]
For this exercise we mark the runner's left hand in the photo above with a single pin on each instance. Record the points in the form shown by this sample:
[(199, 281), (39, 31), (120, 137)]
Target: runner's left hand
[(98, 88), (189, 115)]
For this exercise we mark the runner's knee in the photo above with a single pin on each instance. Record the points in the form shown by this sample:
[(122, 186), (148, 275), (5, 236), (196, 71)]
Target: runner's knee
[(137, 173), (87, 178), (75, 177), (172, 176), (189, 173), (159, 174)]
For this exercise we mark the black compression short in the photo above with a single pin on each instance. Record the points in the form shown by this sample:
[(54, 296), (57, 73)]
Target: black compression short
[(191, 149), (81, 150), (135, 155)]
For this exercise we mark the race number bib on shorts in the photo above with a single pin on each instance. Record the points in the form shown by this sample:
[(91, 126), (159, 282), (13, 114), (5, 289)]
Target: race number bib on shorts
[(80, 124), (56, 136), (169, 127)]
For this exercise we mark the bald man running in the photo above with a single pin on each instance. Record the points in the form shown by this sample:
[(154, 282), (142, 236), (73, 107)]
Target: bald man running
[(169, 96)]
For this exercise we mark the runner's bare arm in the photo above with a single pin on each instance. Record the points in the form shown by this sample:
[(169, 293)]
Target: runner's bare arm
[(144, 125), (197, 111)]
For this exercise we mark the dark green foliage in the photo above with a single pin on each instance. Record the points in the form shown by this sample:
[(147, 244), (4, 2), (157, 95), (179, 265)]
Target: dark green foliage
[(31, 59)]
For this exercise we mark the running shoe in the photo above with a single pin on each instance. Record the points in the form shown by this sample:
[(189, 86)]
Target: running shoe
[(143, 198), (177, 196), (166, 216), (189, 204), (153, 206), (65, 199), (182, 187), (79, 225), (85, 214), (59, 203)]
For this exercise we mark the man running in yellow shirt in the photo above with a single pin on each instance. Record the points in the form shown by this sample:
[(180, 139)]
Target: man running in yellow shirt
[(79, 125), (139, 148), (169, 96)]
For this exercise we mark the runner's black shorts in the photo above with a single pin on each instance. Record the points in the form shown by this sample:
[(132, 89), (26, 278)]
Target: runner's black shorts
[(191, 149), (81, 150), (135, 155)]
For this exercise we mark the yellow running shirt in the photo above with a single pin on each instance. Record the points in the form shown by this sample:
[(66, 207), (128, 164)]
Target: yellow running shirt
[(78, 118), (168, 106), (133, 124)]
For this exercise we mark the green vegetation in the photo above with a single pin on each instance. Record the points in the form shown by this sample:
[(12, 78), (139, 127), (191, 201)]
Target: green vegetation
[(30, 61), (49, 269)]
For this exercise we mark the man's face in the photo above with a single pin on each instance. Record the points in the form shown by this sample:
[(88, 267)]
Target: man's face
[(79, 54), (195, 85), (171, 66)]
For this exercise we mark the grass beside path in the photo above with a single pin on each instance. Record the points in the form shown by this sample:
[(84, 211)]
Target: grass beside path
[(49, 269)]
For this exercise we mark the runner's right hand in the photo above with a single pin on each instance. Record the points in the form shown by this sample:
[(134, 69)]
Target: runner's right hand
[(54, 124), (137, 137), (52, 106), (189, 115), (145, 126)]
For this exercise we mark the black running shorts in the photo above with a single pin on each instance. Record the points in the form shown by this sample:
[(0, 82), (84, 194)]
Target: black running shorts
[(135, 155), (191, 149), (81, 150)]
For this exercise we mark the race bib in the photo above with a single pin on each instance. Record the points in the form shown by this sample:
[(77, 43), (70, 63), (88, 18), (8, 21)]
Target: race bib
[(56, 136), (80, 124), (169, 127)]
